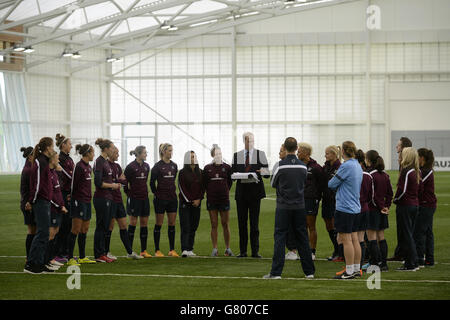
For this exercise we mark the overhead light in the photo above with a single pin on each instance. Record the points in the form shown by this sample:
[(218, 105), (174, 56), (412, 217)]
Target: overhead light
[(112, 59), (19, 48), (67, 53), (173, 28), (76, 55), (203, 23), (165, 26), (28, 49)]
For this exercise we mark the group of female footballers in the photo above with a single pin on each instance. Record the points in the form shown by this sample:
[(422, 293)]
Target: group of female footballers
[(56, 202)]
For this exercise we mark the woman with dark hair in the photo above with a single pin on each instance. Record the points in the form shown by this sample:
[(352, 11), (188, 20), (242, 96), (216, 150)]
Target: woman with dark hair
[(138, 204), (423, 231), (28, 215), (57, 210), (191, 196), (65, 177), (41, 193), (378, 211), (347, 182), (80, 202), (103, 198), (217, 184)]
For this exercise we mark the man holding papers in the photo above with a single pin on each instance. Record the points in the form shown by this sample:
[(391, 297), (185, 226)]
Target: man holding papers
[(249, 165)]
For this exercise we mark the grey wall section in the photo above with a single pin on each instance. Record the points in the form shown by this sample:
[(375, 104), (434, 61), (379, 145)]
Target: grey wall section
[(438, 141)]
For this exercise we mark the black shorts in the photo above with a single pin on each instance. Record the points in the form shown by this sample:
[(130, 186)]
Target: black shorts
[(138, 208), (162, 206), (28, 218), (362, 221), (377, 221), (117, 210), (55, 219), (345, 222), (80, 210), (312, 207), (328, 210), (218, 206)]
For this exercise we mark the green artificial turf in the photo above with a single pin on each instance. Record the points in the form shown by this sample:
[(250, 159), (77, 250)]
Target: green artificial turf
[(216, 278)]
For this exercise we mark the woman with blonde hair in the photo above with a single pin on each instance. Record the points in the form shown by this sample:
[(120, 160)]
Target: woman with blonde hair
[(164, 173), (407, 201), (329, 169)]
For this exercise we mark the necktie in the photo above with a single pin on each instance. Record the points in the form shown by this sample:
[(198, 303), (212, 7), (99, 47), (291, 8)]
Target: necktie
[(247, 161)]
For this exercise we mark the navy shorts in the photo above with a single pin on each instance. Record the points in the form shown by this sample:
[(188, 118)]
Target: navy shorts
[(377, 221), (162, 206), (312, 207), (81, 210), (28, 218), (345, 222), (362, 221), (55, 219), (138, 208), (117, 210), (218, 206), (328, 210)]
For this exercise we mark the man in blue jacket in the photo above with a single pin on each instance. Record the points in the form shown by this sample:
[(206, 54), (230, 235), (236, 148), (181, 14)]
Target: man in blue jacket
[(288, 177)]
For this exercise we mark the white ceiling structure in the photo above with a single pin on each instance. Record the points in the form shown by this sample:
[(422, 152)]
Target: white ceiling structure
[(125, 27)]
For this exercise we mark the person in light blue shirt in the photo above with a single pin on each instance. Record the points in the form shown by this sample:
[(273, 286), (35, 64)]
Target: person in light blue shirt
[(347, 182)]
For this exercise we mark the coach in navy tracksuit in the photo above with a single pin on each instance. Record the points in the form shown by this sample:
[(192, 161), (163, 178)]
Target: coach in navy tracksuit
[(289, 176)]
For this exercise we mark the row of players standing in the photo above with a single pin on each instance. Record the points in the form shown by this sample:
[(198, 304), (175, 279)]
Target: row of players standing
[(108, 200)]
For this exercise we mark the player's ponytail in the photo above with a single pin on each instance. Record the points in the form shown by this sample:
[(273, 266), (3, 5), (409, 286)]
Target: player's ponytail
[(40, 148), (26, 151), (84, 149)]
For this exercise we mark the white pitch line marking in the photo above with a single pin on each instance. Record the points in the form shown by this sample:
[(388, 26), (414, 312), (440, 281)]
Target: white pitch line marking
[(222, 277)]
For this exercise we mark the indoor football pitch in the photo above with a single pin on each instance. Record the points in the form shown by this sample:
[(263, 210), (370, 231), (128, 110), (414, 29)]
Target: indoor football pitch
[(205, 277)]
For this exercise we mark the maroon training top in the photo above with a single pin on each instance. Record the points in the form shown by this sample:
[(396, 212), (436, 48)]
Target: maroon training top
[(137, 177), (382, 190), (217, 183), (82, 186), (25, 184), (366, 193), (407, 189), (117, 172), (328, 170), (190, 186), (102, 173), (427, 197), (313, 189), (164, 174), (40, 180), (57, 198), (65, 176)]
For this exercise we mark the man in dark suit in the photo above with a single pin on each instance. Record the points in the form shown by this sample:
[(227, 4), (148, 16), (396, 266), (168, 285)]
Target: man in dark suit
[(249, 193)]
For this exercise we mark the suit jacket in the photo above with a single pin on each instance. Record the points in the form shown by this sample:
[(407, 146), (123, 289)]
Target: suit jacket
[(250, 190)]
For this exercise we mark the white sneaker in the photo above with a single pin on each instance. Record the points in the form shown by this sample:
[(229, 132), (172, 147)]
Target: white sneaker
[(269, 276), (192, 254), (52, 267), (185, 254), (214, 253), (56, 263), (134, 256), (291, 255), (109, 255), (310, 276)]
